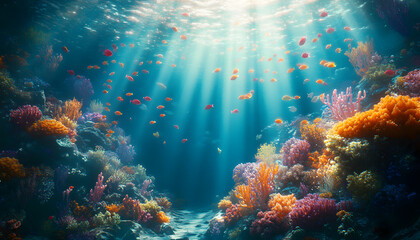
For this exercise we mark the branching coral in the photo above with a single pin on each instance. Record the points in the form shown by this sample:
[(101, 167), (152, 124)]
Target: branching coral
[(233, 214), (396, 117), (342, 105), (25, 116), (224, 204), (48, 127), (315, 160), (360, 57), (282, 205), (131, 209), (96, 193), (314, 134), (10, 168), (295, 152), (164, 203), (72, 109), (266, 153), (363, 186)]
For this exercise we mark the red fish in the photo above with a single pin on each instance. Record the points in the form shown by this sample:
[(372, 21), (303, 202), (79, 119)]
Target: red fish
[(160, 107), (147, 98), (65, 49), (234, 111), (176, 126), (302, 41), (144, 71), (118, 113), (347, 28), (71, 72), (50, 217), (330, 30), (130, 78), (120, 99), (390, 72), (135, 102), (209, 106), (323, 14), (114, 46), (184, 140), (108, 53), (305, 55), (319, 35)]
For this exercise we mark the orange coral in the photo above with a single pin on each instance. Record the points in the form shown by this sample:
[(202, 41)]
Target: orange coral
[(395, 117), (72, 109), (10, 168), (48, 127), (81, 211), (314, 134), (224, 204), (256, 193), (282, 205), (162, 218), (361, 56), (113, 208), (325, 195), (315, 160), (164, 203)]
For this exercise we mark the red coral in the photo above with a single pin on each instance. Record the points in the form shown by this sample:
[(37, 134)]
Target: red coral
[(25, 116), (233, 214), (131, 209), (268, 224)]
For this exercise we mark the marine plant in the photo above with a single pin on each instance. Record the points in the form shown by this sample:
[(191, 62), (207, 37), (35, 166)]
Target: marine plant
[(395, 117), (162, 218), (360, 57), (48, 127), (25, 116), (11, 168), (376, 80), (131, 209), (224, 204), (96, 106)]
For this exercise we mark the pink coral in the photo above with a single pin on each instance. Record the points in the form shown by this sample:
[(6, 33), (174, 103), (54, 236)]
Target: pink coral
[(412, 83), (25, 116), (342, 105), (98, 191), (268, 224), (233, 214), (295, 152)]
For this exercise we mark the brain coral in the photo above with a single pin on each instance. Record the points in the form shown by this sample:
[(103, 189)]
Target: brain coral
[(48, 127), (395, 117)]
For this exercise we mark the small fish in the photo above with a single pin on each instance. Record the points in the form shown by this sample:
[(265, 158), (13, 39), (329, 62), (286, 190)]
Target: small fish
[(106, 109), (319, 81), (161, 85), (302, 41), (150, 62), (71, 72), (130, 78), (183, 37), (184, 140), (107, 135), (347, 28), (292, 109), (65, 49), (338, 50), (122, 65), (158, 62), (152, 122), (147, 98), (209, 107), (314, 40), (185, 14), (173, 65), (219, 150), (50, 217), (330, 65), (129, 94), (118, 113), (348, 40), (278, 121), (330, 30), (112, 73), (297, 97), (390, 72), (168, 99), (105, 91), (234, 111), (175, 29), (122, 44), (89, 67), (159, 55), (114, 122), (176, 127), (235, 71), (303, 67), (108, 53), (323, 62), (280, 60), (96, 67), (135, 102), (113, 61), (105, 63), (110, 131), (109, 86), (141, 63), (160, 107), (234, 77), (71, 187), (319, 35), (108, 104), (145, 71), (164, 42), (269, 59), (156, 134), (135, 73), (251, 70), (109, 81), (273, 80), (131, 44), (290, 70), (120, 99), (162, 115), (317, 120), (323, 14), (286, 98), (315, 99), (114, 46), (305, 81)]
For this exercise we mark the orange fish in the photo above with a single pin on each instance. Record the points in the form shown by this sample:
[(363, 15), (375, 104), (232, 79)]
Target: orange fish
[(287, 52), (141, 63), (278, 121), (150, 62), (338, 50), (297, 97), (164, 41), (319, 81), (269, 59), (280, 60), (162, 115), (110, 131), (105, 91), (290, 70), (108, 104), (322, 62), (112, 73), (108, 135), (65, 49), (183, 37), (89, 67), (106, 109), (118, 113), (330, 65), (129, 94), (234, 77), (152, 122), (158, 62), (314, 40), (173, 65), (144, 71), (131, 45), (114, 122), (105, 63), (96, 67), (109, 86), (175, 29), (303, 67), (109, 81), (114, 61), (235, 71), (103, 117), (347, 28), (251, 70), (122, 65), (168, 99), (305, 81), (120, 99), (217, 70), (328, 46), (273, 80), (160, 107), (135, 73)]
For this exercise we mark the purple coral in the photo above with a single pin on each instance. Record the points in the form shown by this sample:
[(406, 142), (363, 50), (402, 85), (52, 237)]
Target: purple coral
[(342, 105), (268, 224), (313, 212), (93, 117), (82, 87), (145, 186), (295, 152), (244, 172), (25, 116), (412, 83), (98, 191), (126, 153)]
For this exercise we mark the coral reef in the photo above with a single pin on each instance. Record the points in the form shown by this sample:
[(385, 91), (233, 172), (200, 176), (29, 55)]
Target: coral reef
[(375, 80), (281, 205), (96, 193), (363, 186), (48, 127), (342, 105), (314, 134), (266, 153), (25, 116), (10, 168), (360, 57), (242, 173), (395, 117), (295, 151)]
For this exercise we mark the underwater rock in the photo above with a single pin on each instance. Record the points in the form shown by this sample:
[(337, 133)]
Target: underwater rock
[(128, 230), (410, 233), (89, 137)]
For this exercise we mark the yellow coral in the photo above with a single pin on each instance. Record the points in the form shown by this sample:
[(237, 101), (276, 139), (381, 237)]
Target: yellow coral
[(162, 218), (164, 203), (266, 153), (364, 185), (151, 207), (224, 204), (314, 134), (361, 56), (282, 205), (10, 168), (396, 117), (48, 127)]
